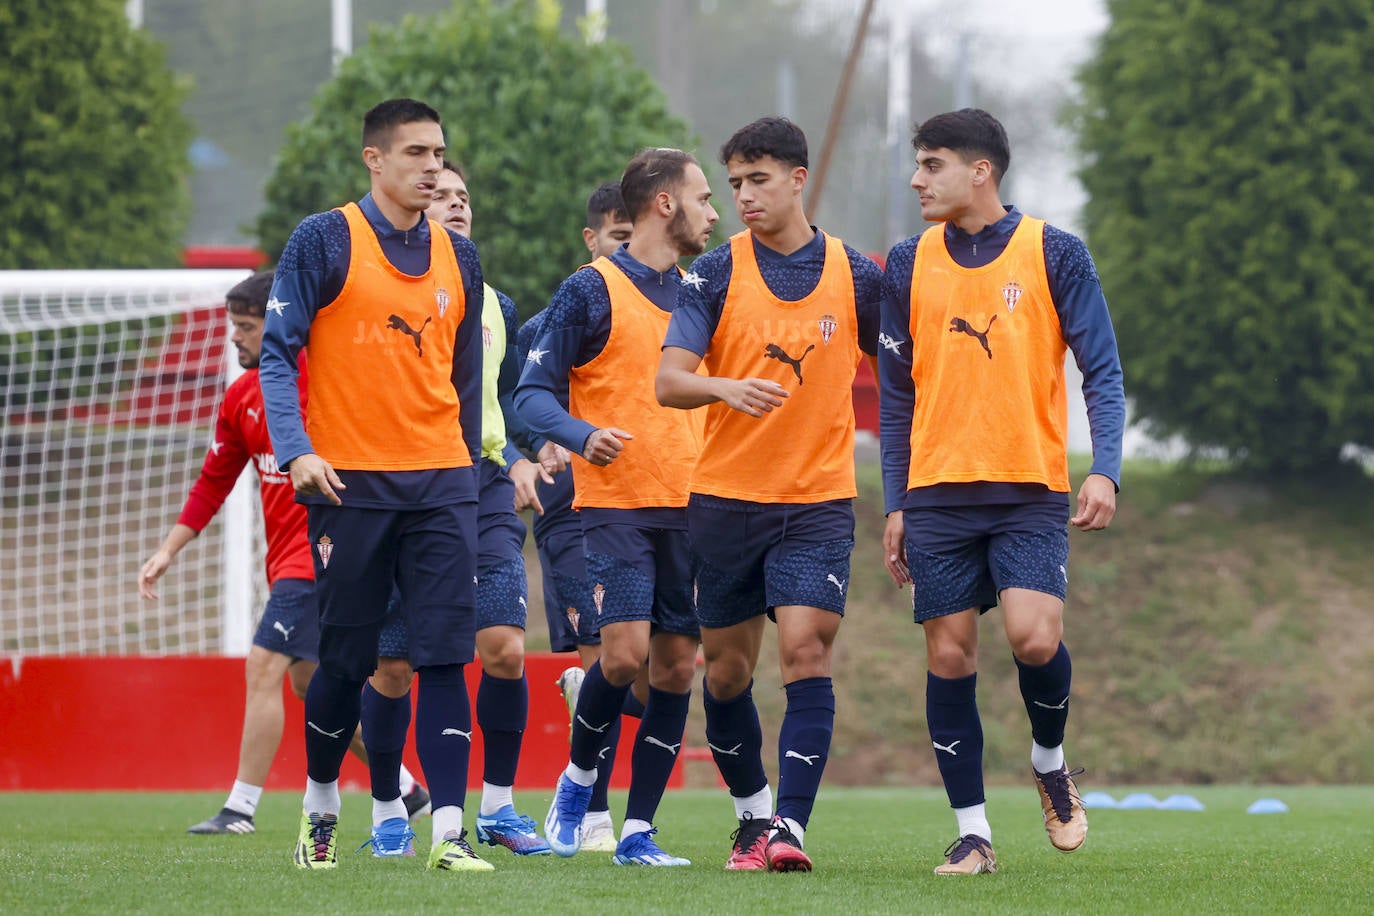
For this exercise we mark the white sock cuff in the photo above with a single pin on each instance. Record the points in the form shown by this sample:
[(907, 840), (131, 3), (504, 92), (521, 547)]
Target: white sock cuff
[(321, 797), (243, 798), (632, 827), (759, 806), (449, 817), (494, 798), (974, 820), (580, 776), (1047, 759), (385, 810)]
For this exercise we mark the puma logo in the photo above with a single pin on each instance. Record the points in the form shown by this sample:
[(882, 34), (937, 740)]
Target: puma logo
[(773, 351), (733, 752), (1064, 704), (835, 582), (399, 323), (283, 630), (457, 733), (808, 759), (593, 727), (670, 748), (323, 732), (960, 326), (255, 413), (948, 749)]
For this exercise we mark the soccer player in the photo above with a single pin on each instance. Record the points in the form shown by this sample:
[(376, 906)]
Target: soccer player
[(387, 465), (602, 327), (779, 316), (286, 642), (978, 312), (568, 604), (503, 691)]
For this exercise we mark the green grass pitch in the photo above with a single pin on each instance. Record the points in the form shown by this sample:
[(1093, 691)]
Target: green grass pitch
[(874, 850)]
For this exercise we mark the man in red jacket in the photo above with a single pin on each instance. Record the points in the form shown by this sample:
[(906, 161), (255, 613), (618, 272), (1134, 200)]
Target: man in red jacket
[(288, 636)]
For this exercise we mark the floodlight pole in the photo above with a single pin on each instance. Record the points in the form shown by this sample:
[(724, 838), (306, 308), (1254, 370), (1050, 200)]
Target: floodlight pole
[(340, 30), (832, 129)]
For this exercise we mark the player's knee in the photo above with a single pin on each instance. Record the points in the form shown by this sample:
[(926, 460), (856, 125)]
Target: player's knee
[(504, 658), (806, 659), (951, 659), (1036, 648), (674, 675), (392, 677), (727, 678), (619, 665)]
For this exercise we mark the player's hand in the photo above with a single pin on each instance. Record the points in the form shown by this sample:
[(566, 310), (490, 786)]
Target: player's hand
[(604, 445), (1096, 503), (525, 474), (152, 571), (553, 459), (754, 396), (894, 549), (312, 475)]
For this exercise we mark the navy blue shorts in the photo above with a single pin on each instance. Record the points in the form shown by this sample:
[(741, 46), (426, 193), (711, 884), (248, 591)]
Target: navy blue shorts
[(567, 593), (641, 574), (750, 558), (362, 555), (502, 590), (290, 623), (962, 557)]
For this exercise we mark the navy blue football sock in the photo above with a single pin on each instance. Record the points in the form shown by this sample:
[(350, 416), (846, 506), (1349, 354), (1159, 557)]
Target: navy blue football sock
[(1045, 690), (735, 738), (332, 707), (632, 707), (605, 765), (598, 708), (655, 751), (443, 733), (804, 745), (385, 722), (956, 732), (503, 708)]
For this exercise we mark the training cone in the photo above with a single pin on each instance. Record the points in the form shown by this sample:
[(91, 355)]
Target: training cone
[(1267, 806)]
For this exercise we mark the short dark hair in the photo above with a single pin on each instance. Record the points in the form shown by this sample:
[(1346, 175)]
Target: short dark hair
[(649, 172), (970, 132), (456, 168), (606, 201), (384, 117), (776, 137), (249, 297)]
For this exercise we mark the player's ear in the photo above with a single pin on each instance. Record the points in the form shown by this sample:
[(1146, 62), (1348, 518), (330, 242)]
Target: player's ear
[(799, 175), (372, 158), (589, 239)]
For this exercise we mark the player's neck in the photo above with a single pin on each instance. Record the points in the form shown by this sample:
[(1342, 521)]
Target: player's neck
[(399, 215), (653, 249), (793, 235), (979, 216)]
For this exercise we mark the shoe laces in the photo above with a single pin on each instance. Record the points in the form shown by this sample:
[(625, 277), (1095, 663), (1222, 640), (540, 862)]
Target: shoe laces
[(782, 833), (961, 848), (1060, 791), (460, 840), (386, 841), (749, 831)]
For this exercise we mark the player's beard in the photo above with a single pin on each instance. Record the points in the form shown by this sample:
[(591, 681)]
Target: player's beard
[(683, 238), (248, 363)]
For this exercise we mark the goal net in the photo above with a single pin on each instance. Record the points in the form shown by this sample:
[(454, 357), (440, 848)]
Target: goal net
[(109, 386)]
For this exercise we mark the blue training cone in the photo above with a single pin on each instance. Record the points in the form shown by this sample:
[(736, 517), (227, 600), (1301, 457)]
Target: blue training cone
[(1137, 801), (1267, 806), (1181, 803), (1098, 800)]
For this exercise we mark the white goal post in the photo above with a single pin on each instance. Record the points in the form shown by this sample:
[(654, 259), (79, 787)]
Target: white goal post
[(109, 385)]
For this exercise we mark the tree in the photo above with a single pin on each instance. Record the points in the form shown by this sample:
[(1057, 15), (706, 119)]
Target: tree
[(93, 144), (537, 118), (1231, 215)]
